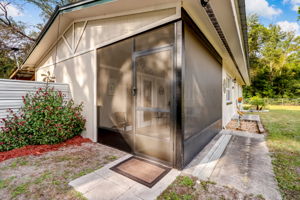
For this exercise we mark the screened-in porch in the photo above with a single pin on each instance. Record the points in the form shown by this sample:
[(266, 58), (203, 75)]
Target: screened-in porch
[(134, 95), (159, 93)]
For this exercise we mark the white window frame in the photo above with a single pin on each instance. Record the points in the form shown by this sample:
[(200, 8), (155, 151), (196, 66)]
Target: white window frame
[(228, 90)]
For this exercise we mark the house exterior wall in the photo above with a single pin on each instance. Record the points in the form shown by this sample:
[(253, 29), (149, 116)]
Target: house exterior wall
[(79, 72), (200, 84), (73, 59), (229, 108)]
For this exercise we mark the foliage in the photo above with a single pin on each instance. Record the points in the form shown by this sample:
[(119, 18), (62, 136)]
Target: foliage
[(45, 119), (7, 64), (283, 126), (274, 61), (258, 102), (15, 39)]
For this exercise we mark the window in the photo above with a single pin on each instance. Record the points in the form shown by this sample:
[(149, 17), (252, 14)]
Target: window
[(228, 85)]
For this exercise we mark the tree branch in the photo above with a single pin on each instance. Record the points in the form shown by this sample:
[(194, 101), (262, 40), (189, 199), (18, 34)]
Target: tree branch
[(9, 24)]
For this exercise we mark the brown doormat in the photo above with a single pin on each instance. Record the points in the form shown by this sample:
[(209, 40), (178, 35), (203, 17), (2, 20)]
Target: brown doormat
[(143, 171)]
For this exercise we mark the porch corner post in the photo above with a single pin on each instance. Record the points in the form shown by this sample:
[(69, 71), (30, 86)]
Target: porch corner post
[(178, 91)]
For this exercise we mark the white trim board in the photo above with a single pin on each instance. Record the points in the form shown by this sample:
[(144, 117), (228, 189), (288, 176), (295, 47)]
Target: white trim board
[(130, 34)]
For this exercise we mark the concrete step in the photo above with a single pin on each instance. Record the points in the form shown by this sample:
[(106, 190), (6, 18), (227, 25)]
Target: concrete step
[(205, 168)]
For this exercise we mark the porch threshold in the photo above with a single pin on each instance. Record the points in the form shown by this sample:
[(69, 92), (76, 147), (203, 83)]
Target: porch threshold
[(106, 184)]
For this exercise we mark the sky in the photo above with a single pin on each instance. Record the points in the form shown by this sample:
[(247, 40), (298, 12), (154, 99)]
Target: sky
[(280, 12)]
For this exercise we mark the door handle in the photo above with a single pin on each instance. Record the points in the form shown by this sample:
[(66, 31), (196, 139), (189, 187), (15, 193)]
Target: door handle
[(134, 91)]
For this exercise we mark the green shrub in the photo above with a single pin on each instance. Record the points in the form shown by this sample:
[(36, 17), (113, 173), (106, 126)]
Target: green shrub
[(258, 102), (45, 118)]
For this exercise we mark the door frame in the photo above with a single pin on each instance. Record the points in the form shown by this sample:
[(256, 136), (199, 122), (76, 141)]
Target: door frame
[(136, 54)]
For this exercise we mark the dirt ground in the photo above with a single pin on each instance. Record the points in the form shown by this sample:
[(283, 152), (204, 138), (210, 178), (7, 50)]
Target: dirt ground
[(47, 176), (190, 188), (245, 126)]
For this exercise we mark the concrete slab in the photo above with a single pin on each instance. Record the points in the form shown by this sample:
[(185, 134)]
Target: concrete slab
[(146, 193), (243, 134), (246, 166), (105, 190), (107, 184), (86, 183), (247, 117)]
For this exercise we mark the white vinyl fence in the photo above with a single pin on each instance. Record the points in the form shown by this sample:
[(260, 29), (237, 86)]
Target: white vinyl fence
[(11, 92)]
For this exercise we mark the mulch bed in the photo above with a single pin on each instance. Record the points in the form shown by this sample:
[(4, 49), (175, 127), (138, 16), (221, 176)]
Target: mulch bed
[(40, 149), (250, 126)]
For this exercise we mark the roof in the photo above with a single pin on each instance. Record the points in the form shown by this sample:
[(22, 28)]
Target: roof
[(74, 11)]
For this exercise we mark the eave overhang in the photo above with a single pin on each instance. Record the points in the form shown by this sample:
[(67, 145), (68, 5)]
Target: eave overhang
[(59, 10), (225, 26)]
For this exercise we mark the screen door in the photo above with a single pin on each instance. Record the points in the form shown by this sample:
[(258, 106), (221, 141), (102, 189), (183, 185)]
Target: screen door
[(152, 81)]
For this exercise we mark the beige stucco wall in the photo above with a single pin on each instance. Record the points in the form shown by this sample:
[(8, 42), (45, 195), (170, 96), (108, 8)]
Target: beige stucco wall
[(79, 72), (229, 110)]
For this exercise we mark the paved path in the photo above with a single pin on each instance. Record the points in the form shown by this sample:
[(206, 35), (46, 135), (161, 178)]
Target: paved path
[(105, 184), (246, 166)]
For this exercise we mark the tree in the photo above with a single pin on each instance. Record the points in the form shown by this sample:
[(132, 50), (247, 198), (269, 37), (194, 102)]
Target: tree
[(14, 40), (274, 61), (6, 64)]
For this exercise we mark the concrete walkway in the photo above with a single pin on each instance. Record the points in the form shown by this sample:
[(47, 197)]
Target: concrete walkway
[(244, 165), (105, 184)]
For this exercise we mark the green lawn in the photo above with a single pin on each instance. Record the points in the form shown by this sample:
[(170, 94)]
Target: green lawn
[(283, 126)]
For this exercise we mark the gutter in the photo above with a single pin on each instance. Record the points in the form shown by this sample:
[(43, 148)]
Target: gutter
[(242, 10), (214, 21)]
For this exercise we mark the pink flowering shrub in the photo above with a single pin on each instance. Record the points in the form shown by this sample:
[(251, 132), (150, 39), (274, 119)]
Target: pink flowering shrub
[(45, 118)]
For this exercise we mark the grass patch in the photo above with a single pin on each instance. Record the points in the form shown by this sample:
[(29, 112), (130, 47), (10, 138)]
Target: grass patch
[(62, 158), (190, 188), (18, 162), (84, 172), (205, 184), (111, 158), (283, 126), (46, 175), (77, 195), (21, 189), (4, 183), (186, 181)]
